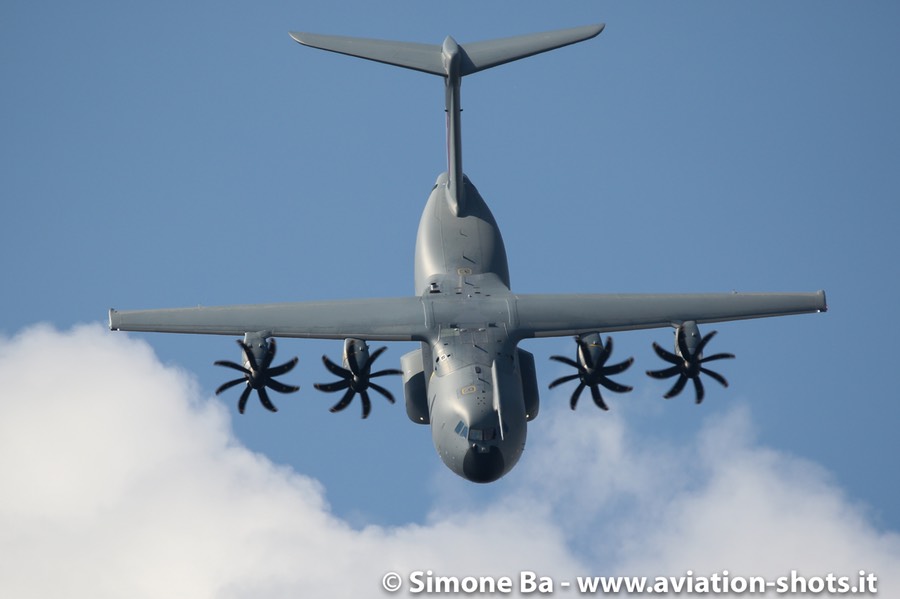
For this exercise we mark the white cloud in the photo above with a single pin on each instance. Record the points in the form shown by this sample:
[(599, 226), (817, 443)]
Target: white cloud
[(119, 479)]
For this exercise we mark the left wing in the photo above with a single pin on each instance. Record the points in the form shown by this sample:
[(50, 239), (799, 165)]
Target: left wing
[(383, 319)]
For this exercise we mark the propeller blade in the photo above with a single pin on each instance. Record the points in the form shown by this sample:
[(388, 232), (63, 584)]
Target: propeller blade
[(264, 399), (242, 402), (230, 384), (576, 395), (372, 357), (335, 369), (564, 379), (281, 387), (677, 387), (716, 357), (614, 386), (617, 368), (706, 339), (681, 340), (383, 391), (385, 372), (270, 353), (598, 398), (229, 364), (354, 369), (585, 352), (716, 376), (606, 352), (666, 354), (698, 388), (248, 353), (567, 361), (345, 401), (664, 374), (284, 368), (366, 404), (332, 387)]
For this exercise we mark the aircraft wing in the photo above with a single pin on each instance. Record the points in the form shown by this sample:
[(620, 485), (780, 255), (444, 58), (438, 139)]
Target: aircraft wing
[(559, 315), (383, 319), (414, 318)]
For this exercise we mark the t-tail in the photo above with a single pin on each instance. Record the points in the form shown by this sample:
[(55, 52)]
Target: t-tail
[(451, 61)]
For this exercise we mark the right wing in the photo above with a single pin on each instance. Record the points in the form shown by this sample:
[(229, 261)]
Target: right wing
[(387, 319), (561, 315)]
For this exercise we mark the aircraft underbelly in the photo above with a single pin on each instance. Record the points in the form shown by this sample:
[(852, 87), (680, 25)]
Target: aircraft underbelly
[(450, 247)]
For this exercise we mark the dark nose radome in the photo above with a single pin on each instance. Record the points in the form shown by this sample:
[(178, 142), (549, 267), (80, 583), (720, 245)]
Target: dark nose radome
[(483, 467)]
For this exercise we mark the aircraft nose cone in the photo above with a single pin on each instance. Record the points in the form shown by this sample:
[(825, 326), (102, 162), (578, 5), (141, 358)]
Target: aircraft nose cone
[(483, 467)]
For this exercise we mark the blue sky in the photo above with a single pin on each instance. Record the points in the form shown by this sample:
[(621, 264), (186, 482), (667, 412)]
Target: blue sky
[(159, 155)]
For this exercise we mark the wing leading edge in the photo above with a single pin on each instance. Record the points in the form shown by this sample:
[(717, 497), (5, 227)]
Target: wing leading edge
[(560, 315)]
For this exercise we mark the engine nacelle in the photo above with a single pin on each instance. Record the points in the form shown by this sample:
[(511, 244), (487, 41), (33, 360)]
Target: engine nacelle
[(691, 337), (258, 344), (357, 351), (589, 349), (414, 388)]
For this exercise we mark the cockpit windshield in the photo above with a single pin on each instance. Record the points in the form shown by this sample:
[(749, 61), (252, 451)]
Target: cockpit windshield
[(488, 434)]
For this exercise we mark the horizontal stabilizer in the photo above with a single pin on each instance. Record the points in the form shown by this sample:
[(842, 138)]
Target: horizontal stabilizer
[(492, 53), (419, 57), (429, 58)]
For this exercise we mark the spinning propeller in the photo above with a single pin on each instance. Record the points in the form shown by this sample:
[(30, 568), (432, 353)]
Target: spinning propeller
[(356, 379), (258, 375), (688, 364), (592, 370)]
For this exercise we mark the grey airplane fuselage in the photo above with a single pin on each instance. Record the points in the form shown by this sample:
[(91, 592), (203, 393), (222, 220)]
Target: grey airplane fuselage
[(468, 380), (473, 379)]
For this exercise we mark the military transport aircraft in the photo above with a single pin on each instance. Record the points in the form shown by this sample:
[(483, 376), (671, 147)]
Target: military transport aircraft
[(467, 379)]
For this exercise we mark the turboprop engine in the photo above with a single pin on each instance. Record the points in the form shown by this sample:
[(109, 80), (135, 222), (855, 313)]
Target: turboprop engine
[(356, 376), (687, 361), (258, 353)]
